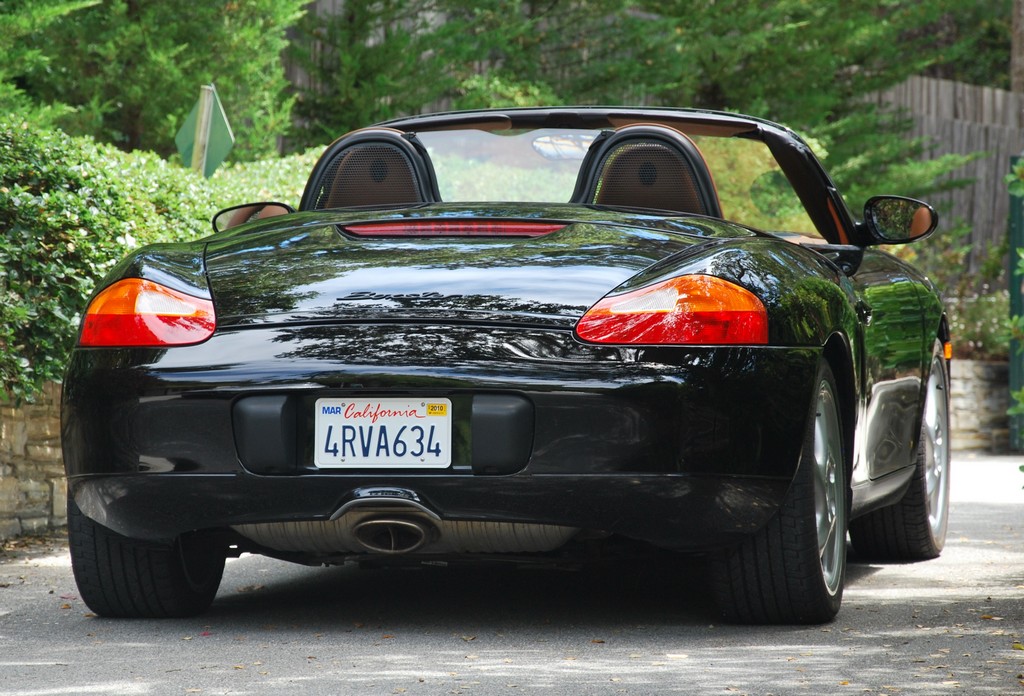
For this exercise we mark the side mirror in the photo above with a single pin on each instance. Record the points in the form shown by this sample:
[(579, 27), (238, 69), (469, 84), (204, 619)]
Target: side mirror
[(248, 212), (898, 220)]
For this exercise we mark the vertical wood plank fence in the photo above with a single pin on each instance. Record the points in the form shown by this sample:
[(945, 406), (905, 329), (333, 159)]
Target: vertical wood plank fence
[(957, 118)]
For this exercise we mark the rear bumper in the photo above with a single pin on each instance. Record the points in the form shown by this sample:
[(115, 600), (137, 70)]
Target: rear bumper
[(673, 511), (685, 448)]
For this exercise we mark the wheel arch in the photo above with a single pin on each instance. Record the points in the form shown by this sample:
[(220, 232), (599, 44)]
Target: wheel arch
[(839, 357)]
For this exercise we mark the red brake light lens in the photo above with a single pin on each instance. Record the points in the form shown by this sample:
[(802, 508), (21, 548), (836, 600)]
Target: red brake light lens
[(140, 313), (454, 228), (688, 310)]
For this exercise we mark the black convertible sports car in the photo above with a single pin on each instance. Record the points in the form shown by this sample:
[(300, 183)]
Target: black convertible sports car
[(520, 333)]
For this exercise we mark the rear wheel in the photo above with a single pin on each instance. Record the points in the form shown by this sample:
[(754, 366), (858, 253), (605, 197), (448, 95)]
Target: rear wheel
[(130, 578), (793, 570), (914, 529)]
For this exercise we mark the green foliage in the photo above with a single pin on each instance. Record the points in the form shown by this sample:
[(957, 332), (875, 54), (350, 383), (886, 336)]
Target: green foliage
[(498, 90), (20, 19), (803, 63), (271, 179), (133, 70), (806, 64), (70, 208), (365, 64), (979, 325), (1015, 327), (1015, 324), (374, 61), (529, 53), (975, 44), (1015, 180)]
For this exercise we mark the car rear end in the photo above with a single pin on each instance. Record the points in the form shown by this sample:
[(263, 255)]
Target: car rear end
[(367, 391)]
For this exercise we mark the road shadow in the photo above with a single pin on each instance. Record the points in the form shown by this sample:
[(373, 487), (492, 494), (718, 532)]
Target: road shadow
[(657, 591)]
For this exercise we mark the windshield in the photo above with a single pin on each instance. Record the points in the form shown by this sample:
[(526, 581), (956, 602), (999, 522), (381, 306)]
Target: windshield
[(542, 166)]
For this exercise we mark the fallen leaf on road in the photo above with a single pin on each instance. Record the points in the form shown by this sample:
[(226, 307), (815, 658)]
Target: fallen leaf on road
[(1018, 646)]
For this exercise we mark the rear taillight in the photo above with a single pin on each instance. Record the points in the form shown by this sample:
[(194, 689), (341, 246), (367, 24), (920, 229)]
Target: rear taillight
[(453, 228), (691, 309), (140, 313)]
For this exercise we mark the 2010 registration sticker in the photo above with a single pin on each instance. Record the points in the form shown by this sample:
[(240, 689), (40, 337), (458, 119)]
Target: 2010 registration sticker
[(384, 433)]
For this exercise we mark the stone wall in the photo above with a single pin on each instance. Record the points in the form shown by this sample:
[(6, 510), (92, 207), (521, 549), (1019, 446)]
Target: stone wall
[(33, 494), (979, 397)]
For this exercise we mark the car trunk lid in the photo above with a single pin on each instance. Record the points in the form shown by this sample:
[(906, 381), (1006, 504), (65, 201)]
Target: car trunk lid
[(461, 267)]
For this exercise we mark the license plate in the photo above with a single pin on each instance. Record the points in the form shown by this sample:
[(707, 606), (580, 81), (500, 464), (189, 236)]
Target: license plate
[(384, 433)]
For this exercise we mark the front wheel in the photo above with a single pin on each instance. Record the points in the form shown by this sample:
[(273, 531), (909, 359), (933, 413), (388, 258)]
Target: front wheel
[(914, 529), (131, 578), (793, 569)]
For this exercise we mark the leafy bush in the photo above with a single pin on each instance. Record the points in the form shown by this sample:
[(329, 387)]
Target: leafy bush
[(70, 208), (978, 325), (273, 179)]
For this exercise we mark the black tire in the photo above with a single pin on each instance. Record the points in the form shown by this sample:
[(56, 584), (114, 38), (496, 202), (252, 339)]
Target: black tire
[(793, 570), (130, 578), (914, 529)]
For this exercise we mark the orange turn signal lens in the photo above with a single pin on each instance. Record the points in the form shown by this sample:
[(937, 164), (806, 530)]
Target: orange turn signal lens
[(140, 313), (687, 310)]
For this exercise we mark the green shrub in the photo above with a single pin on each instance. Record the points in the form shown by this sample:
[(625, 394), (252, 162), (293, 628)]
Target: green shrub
[(70, 208), (978, 324), (273, 179)]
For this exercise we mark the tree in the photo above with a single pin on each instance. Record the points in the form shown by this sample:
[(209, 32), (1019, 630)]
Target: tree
[(809, 64), (132, 69), (370, 62), (365, 63), (19, 19)]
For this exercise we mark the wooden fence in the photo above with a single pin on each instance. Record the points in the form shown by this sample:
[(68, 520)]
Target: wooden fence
[(953, 117)]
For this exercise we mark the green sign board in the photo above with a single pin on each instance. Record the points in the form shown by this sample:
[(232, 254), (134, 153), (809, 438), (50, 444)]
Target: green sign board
[(220, 139), (1016, 309)]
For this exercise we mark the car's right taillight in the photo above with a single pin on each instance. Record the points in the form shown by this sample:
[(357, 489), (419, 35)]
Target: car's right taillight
[(140, 313), (686, 310)]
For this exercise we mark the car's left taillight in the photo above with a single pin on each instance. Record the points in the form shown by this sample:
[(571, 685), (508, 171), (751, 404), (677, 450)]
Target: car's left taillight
[(685, 310), (140, 313)]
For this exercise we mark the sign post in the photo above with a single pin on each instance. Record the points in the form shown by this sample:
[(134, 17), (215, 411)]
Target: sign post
[(205, 139), (201, 139)]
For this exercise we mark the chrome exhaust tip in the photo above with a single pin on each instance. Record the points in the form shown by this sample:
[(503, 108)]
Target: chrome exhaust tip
[(392, 535)]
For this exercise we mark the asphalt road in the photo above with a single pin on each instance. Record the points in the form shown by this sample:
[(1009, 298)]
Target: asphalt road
[(953, 625)]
